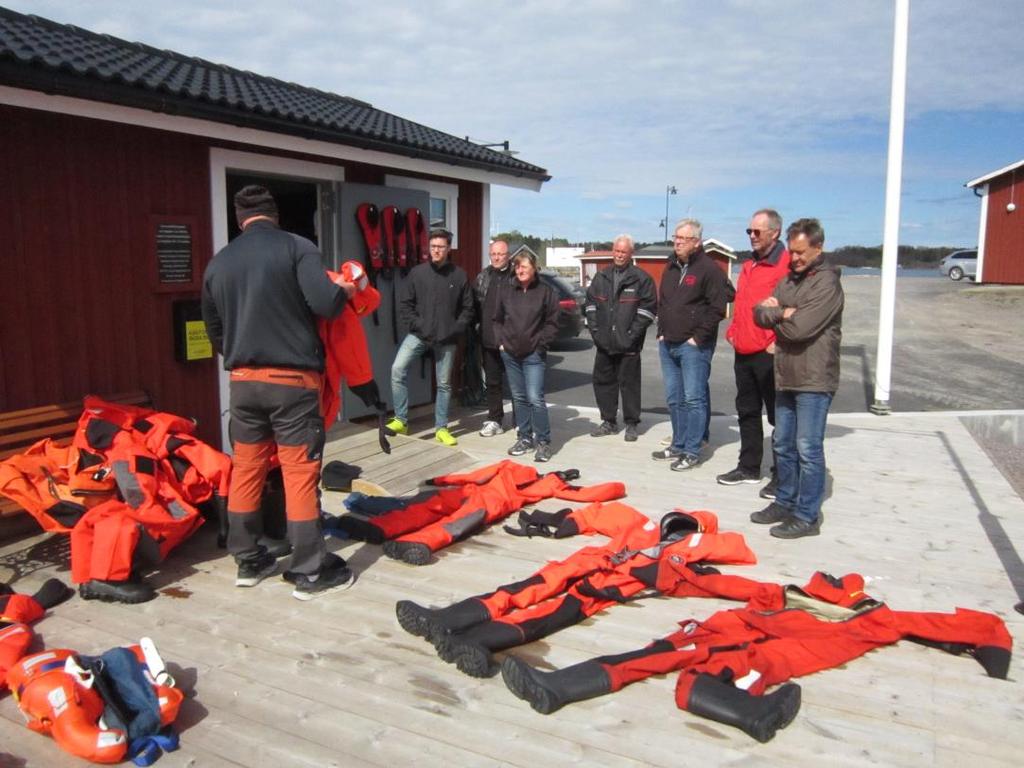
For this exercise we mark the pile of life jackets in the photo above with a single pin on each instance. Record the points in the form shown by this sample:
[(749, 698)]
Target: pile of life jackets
[(127, 488), (103, 708)]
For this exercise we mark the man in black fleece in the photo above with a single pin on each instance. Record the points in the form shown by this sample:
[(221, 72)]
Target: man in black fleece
[(694, 292), (436, 307), (261, 296)]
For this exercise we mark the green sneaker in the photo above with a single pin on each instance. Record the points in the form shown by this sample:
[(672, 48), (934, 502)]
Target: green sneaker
[(445, 437), (397, 426)]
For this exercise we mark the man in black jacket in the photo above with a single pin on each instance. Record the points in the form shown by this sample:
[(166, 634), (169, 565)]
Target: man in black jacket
[(621, 303), (486, 287), (436, 307), (694, 293), (261, 295)]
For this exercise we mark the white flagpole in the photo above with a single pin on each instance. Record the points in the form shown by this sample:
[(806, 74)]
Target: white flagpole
[(893, 186)]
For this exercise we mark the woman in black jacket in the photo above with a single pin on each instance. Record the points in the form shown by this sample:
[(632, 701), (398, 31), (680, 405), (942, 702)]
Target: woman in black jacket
[(525, 323)]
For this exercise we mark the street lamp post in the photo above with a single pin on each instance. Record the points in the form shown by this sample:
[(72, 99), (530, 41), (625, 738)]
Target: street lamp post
[(669, 190)]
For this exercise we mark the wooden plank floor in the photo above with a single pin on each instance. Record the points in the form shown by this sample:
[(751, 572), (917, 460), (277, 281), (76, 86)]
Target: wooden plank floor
[(914, 505)]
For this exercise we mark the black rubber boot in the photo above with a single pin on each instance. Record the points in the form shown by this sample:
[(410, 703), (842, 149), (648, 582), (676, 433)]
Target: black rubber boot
[(548, 692), (471, 651), (131, 591), (757, 716), (53, 592), (411, 552), (220, 505), (355, 528), (434, 622)]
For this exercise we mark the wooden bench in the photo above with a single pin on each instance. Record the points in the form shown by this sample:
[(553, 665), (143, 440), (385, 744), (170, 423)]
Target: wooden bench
[(20, 429)]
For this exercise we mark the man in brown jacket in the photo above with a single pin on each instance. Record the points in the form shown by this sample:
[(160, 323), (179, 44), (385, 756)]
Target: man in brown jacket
[(806, 313)]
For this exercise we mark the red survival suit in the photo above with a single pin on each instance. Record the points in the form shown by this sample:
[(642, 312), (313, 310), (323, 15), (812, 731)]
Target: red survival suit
[(17, 612), (641, 556), (65, 696), (476, 500), (126, 488), (347, 353), (781, 633)]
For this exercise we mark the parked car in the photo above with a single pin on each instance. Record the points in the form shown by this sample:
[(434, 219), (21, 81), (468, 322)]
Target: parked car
[(570, 316), (959, 264)]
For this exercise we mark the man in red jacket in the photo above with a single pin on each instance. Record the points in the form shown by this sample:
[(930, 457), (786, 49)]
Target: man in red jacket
[(755, 347)]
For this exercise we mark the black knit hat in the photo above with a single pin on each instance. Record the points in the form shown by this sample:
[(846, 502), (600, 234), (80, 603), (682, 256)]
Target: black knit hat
[(254, 200), (338, 476)]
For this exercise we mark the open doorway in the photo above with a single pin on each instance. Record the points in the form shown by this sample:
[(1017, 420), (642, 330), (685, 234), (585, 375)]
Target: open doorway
[(298, 204)]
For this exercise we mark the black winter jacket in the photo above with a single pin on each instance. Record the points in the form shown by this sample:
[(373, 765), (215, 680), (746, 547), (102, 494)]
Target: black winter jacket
[(485, 289), (692, 304), (437, 303), (526, 320), (618, 320), (261, 293)]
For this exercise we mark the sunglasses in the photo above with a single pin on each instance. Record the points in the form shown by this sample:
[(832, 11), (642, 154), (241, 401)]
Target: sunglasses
[(755, 232)]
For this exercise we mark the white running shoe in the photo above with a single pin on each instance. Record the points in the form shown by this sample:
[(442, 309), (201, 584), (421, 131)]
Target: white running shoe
[(491, 429)]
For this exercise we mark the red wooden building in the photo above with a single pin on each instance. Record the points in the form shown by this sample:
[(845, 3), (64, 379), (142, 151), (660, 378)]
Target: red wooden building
[(1001, 225), (653, 259), (119, 162)]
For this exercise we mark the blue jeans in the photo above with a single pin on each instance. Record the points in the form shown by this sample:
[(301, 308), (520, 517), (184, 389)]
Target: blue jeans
[(411, 348), (526, 380), (686, 369), (799, 450)]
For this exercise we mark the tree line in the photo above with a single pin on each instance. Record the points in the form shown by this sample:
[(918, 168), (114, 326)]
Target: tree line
[(909, 256)]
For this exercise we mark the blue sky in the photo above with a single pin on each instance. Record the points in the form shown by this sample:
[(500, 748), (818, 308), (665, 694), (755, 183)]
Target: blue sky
[(738, 104)]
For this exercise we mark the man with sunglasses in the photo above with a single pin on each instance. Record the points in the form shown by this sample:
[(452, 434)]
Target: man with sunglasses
[(755, 347)]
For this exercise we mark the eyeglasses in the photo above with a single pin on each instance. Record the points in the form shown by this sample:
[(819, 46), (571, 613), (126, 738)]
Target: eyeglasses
[(679, 239), (755, 232)]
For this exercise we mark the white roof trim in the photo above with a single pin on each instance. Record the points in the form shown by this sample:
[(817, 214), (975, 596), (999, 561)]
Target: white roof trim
[(994, 174), (20, 97)]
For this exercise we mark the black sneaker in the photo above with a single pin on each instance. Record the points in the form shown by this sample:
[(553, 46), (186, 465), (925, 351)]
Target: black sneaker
[(630, 433), (768, 492), (737, 476), (665, 454), (255, 569), (543, 452), (685, 462), (796, 527), (773, 513), (521, 446), (334, 574), (606, 428)]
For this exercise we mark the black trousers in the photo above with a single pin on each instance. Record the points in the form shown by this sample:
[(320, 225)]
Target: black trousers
[(614, 374), (494, 372), (755, 387)]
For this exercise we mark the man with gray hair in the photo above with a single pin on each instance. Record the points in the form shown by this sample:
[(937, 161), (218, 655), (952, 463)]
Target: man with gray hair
[(692, 300), (621, 303)]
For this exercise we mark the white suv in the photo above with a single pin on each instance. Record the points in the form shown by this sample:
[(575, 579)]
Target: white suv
[(959, 263)]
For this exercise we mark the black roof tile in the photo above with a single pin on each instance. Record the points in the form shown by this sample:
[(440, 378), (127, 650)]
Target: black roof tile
[(44, 55)]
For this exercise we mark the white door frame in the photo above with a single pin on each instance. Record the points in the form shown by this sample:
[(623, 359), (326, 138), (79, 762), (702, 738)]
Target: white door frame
[(222, 161)]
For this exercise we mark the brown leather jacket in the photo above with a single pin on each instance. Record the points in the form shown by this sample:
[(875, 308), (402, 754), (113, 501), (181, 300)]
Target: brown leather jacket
[(807, 343)]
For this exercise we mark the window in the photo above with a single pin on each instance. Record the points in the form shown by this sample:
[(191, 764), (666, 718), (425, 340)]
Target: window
[(444, 202)]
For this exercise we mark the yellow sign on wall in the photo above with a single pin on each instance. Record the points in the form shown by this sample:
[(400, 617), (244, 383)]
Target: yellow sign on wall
[(197, 343)]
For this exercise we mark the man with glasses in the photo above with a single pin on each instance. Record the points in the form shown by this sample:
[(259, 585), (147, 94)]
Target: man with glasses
[(755, 347), (436, 307), (621, 302), (806, 313), (694, 292)]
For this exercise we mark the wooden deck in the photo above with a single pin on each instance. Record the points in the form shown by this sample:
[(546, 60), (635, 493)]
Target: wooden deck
[(914, 505)]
